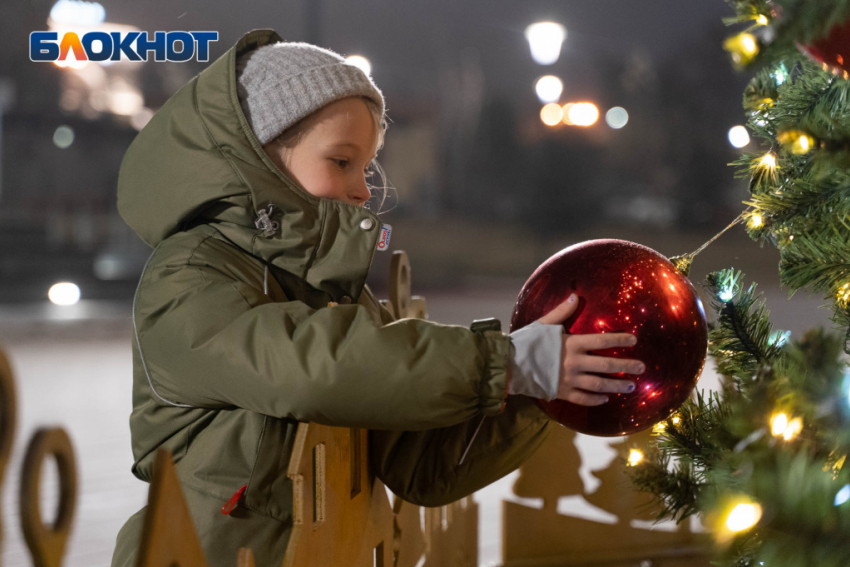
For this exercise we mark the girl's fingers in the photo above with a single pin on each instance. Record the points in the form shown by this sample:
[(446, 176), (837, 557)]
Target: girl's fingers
[(593, 383), (607, 365), (585, 398), (599, 341), (562, 312)]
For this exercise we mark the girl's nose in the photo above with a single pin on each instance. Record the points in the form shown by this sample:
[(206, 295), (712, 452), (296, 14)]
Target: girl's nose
[(361, 193)]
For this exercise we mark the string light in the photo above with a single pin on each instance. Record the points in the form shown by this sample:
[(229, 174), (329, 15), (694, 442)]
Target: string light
[(768, 161), (659, 427), (743, 516), (780, 426), (762, 20), (781, 74), (756, 220), (843, 495), (742, 47), (635, 457), (844, 294), (779, 338), (796, 141)]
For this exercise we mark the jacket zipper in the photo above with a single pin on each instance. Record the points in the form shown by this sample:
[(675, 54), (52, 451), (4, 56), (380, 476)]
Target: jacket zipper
[(234, 500)]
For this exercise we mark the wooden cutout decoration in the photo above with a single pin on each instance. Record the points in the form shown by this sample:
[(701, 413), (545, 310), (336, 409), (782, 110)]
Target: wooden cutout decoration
[(451, 534), (408, 539), (546, 537), (356, 530), (47, 544), (401, 304), (246, 558), (8, 416), (168, 537)]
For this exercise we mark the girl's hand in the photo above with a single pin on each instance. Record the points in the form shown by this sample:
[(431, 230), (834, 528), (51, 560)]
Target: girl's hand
[(577, 383)]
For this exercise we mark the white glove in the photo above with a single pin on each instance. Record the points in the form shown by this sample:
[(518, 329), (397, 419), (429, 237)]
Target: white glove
[(536, 360)]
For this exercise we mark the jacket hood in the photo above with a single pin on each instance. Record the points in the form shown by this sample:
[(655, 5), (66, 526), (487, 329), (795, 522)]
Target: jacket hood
[(198, 161)]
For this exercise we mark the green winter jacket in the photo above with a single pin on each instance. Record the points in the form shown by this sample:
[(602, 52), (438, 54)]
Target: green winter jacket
[(234, 342)]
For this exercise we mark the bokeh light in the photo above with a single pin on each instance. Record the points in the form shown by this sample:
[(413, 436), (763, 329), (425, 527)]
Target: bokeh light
[(583, 114), (551, 114), (617, 117), (77, 13), (545, 39), (360, 62), (739, 137), (64, 293), (743, 517), (63, 137), (549, 89), (635, 457), (125, 100)]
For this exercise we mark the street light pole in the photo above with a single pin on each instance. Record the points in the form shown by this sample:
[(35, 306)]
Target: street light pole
[(313, 21), (7, 97)]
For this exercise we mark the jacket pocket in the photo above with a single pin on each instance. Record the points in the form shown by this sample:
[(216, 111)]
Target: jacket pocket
[(269, 490)]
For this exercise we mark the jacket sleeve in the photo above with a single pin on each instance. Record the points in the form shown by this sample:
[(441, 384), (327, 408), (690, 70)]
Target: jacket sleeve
[(208, 340), (424, 467), (439, 466)]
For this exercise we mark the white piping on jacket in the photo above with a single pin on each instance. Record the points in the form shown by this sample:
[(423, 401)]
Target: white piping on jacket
[(138, 342)]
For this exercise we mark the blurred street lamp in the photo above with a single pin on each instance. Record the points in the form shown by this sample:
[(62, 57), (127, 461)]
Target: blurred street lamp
[(551, 114), (583, 114), (77, 13), (617, 117), (360, 62), (63, 137), (549, 88), (64, 293), (7, 99), (545, 39)]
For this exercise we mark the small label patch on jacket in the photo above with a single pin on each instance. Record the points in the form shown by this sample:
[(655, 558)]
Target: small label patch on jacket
[(384, 241)]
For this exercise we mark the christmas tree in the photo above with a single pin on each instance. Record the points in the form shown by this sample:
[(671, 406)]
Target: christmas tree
[(762, 462)]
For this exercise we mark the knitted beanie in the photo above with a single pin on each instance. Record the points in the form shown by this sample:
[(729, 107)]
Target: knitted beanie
[(281, 83)]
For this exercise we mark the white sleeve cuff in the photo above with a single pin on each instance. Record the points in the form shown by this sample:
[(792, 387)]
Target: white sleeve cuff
[(536, 360)]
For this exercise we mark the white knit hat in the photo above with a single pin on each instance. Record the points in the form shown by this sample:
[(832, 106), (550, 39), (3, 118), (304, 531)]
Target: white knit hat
[(281, 83)]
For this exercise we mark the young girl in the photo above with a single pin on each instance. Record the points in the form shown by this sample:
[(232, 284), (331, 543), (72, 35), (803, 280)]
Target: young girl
[(252, 313)]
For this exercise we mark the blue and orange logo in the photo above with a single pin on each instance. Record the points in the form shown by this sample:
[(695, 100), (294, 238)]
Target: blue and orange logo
[(109, 46)]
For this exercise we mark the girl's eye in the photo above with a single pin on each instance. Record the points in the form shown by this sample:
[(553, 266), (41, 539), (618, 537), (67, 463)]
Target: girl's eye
[(343, 162)]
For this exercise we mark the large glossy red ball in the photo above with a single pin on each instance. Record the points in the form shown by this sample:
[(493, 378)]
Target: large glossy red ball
[(832, 50), (623, 287)]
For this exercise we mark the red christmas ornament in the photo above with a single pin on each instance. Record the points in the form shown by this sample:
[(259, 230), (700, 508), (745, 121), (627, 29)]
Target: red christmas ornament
[(623, 287), (833, 50)]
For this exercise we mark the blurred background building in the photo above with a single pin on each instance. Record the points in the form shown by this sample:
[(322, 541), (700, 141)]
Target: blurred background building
[(488, 181)]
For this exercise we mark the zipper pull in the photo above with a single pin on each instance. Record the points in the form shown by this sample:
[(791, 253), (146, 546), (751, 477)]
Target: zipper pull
[(231, 504)]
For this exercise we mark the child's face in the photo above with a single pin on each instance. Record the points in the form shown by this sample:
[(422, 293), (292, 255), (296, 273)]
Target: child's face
[(330, 160)]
